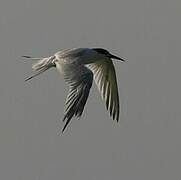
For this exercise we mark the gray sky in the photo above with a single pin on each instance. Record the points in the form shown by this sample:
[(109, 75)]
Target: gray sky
[(145, 145)]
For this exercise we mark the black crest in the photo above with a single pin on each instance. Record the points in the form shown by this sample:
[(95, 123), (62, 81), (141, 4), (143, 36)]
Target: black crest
[(101, 51)]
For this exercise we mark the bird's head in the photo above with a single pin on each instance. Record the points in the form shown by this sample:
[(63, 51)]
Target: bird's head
[(106, 53)]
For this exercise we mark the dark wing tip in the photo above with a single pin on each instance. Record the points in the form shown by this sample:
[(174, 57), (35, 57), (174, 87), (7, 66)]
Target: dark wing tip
[(66, 124)]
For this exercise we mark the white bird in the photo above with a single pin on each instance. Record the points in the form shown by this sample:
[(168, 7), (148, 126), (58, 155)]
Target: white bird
[(79, 67)]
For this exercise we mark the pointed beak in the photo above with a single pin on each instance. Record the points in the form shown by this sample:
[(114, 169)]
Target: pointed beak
[(115, 57)]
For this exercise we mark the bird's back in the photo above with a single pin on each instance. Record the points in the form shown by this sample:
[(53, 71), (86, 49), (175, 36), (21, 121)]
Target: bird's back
[(70, 55), (76, 56)]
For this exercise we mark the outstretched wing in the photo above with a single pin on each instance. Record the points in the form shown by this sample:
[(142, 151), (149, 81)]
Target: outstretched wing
[(79, 80), (105, 78)]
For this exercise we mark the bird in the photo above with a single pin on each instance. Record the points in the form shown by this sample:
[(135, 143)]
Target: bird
[(79, 67)]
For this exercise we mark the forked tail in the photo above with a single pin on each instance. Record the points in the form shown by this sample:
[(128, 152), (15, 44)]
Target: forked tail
[(41, 65)]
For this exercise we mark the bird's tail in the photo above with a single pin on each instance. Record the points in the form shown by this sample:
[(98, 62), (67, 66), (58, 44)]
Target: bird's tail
[(41, 65)]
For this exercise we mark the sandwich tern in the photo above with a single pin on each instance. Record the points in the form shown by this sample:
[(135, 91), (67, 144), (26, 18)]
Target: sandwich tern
[(79, 66)]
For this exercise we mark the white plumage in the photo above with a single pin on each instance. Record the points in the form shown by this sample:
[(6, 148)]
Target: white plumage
[(80, 66)]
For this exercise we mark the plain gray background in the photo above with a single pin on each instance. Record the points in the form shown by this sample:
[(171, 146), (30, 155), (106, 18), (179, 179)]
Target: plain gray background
[(145, 144)]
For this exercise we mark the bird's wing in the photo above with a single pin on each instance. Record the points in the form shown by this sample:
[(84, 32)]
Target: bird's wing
[(79, 80), (105, 78)]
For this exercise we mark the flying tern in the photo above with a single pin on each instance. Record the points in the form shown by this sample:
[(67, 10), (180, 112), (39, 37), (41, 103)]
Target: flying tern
[(79, 66)]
